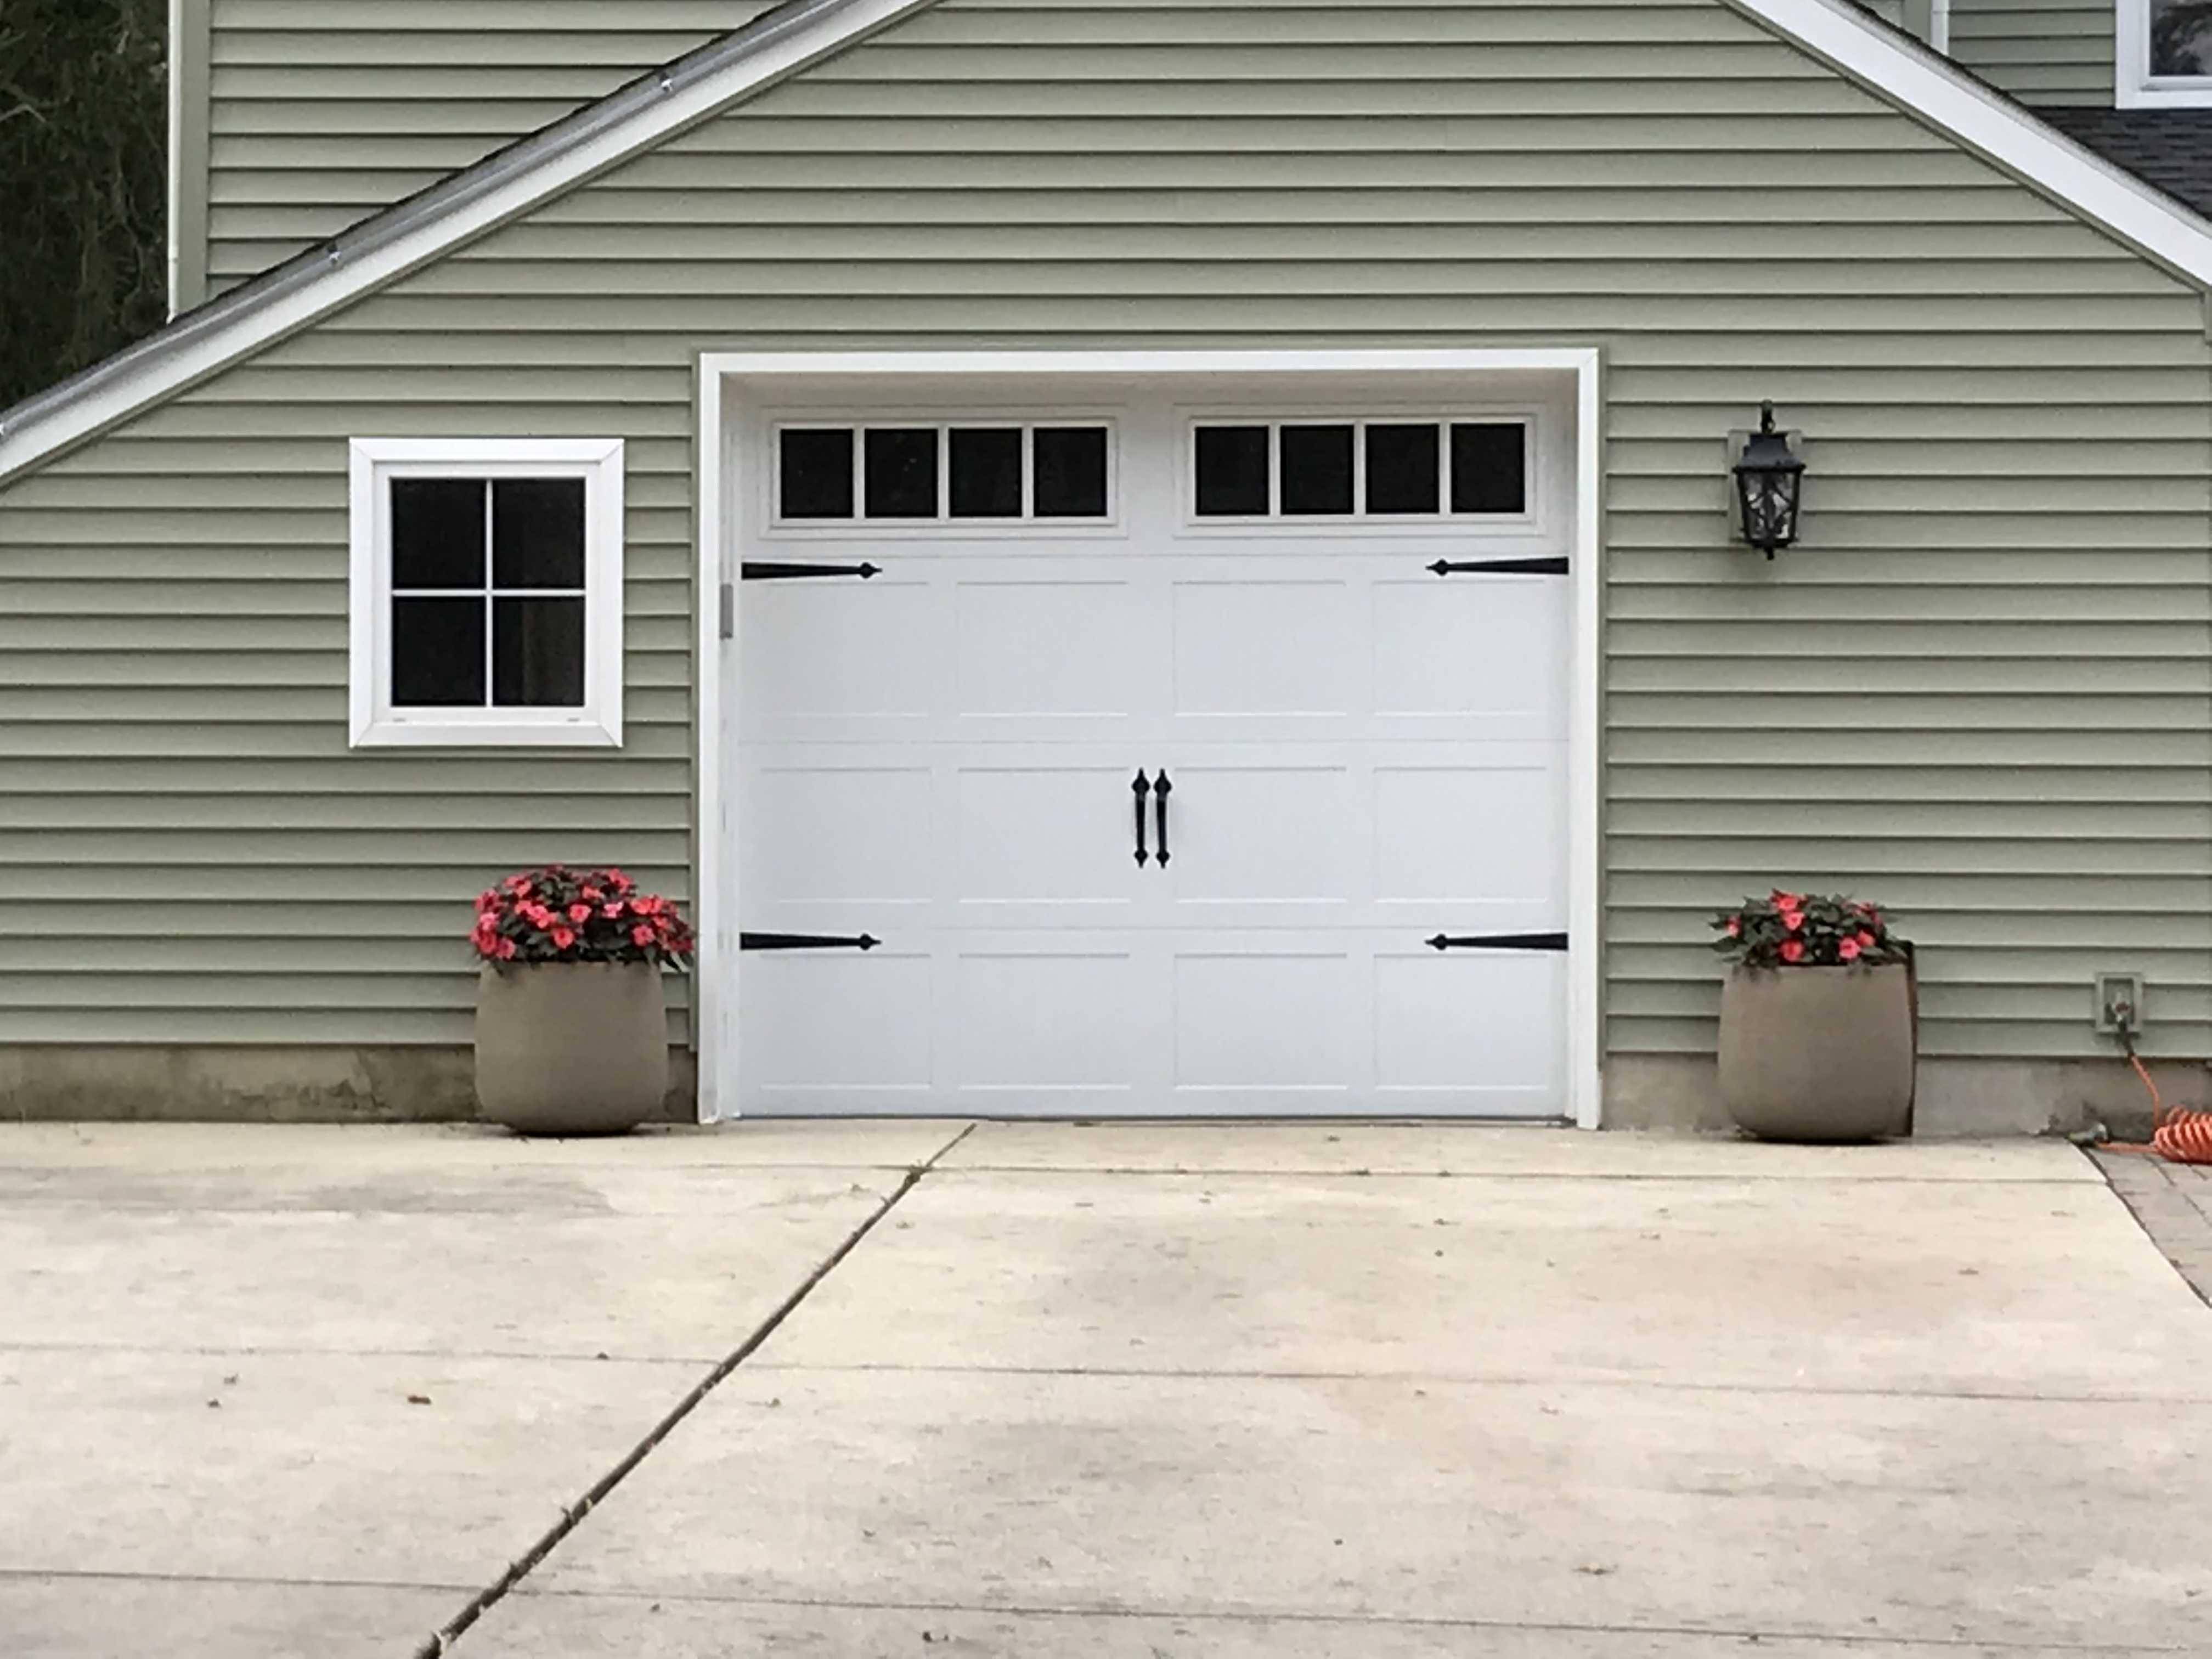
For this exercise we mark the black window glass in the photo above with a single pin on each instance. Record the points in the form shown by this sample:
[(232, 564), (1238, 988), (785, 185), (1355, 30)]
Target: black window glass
[(538, 654), (1403, 468), (1232, 471), (438, 653), (2180, 38), (437, 533), (1489, 467), (902, 472), (538, 532), (817, 473), (987, 473), (1317, 469), (1071, 472)]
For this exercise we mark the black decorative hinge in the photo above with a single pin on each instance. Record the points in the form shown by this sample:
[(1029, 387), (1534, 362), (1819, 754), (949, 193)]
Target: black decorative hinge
[(804, 942), (801, 573), (1500, 942), (1501, 567)]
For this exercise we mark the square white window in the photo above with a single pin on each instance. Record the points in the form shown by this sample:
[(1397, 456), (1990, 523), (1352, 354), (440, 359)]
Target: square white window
[(2165, 53), (486, 593)]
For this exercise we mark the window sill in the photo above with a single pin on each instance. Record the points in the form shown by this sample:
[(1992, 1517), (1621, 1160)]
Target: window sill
[(585, 731)]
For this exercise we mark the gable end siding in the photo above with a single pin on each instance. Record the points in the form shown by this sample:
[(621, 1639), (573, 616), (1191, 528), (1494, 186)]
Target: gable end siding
[(1981, 691), (322, 111)]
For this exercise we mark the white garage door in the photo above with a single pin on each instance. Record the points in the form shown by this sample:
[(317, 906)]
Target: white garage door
[(1124, 757)]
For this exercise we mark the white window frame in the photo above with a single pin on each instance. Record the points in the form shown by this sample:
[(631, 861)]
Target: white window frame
[(374, 723), (2133, 84)]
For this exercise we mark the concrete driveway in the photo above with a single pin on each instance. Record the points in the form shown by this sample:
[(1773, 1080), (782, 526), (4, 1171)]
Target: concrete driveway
[(1119, 1391)]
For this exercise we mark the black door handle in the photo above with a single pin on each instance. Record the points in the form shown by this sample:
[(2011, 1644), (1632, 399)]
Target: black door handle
[(1161, 791), (1140, 788)]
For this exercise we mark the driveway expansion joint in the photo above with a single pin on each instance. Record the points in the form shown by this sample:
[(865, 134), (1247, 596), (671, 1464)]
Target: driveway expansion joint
[(442, 1640)]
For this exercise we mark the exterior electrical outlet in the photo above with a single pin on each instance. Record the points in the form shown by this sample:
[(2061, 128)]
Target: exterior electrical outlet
[(2117, 992)]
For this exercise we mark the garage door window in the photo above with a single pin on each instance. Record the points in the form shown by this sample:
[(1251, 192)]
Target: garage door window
[(487, 593), (1396, 469), (938, 473)]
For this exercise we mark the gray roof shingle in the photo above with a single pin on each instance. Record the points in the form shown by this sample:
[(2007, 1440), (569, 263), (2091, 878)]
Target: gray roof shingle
[(2171, 149)]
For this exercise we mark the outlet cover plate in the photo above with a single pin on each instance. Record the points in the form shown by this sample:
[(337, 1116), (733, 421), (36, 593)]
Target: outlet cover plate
[(2118, 987)]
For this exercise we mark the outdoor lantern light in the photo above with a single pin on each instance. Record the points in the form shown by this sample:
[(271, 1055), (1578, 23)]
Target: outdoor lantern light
[(1768, 481)]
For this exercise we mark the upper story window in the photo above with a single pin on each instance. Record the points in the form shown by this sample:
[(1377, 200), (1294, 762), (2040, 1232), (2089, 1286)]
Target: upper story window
[(2165, 53), (486, 592)]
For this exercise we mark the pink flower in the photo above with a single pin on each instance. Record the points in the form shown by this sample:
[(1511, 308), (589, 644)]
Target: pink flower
[(504, 950), (611, 910), (1849, 949), (1793, 951), (563, 938), (1793, 920), (1735, 928), (579, 914), (641, 936), (1866, 940)]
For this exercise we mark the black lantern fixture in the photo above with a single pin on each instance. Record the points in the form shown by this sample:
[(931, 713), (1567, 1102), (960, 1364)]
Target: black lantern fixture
[(1769, 487)]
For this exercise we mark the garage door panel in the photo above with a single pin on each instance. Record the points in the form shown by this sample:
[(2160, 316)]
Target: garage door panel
[(1256, 1023), (824, 830), (856, 654), (1485, 830), (1471, 648), (1474, 1031), (1037, 1024), (1040, 834), (1264, 646), (1261, 833), (1032, 651), (836, 1030)]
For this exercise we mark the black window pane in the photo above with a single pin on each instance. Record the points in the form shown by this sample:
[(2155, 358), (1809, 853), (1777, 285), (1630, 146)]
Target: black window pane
[(902, 472), (437, 533), (1317, 469), (1232, 471), (538, 532), (438, 653), (1489, 468), (817, 473), (538, 654), (1403, 468), (987, 473), (1071, 472)]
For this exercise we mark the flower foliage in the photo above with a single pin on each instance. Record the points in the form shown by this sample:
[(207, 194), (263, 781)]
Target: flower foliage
[(561, 915), (1799, 930)]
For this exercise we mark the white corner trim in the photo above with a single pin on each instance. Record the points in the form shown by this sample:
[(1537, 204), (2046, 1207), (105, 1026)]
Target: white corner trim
[(285, 310), (173, 233), (714, 903), (1939, 25), (372, 723), (1995, 127), (2134, 86), (714, 898)]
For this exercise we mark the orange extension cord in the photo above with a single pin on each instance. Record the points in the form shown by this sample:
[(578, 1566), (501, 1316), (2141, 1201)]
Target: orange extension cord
[(2178, 1134)]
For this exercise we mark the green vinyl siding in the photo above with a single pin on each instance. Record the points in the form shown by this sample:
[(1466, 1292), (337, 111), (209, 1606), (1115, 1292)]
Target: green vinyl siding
[(1981, 690), (2041, 51), (321, 111)]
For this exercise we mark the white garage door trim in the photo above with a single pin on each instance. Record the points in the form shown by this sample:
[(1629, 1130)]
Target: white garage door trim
[(715, 901)]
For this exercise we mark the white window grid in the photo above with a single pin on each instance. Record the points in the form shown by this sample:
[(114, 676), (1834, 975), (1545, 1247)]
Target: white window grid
[(942, 520), (374, 721), (1443, 423)]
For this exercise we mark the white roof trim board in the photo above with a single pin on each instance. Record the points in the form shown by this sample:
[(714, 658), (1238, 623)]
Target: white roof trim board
[(801, 32)]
